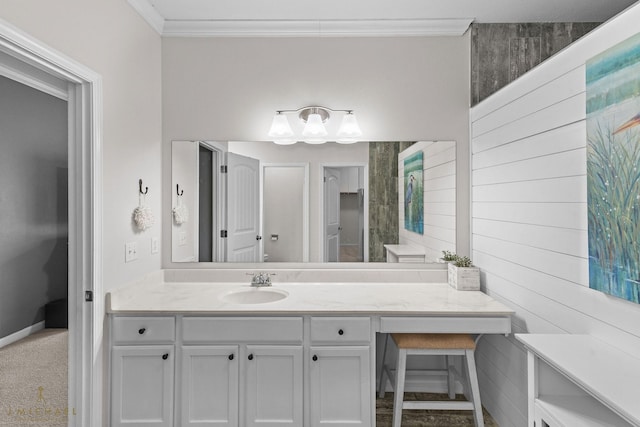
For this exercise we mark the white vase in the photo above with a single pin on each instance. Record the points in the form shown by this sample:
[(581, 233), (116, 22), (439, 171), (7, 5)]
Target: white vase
[(464, 278)]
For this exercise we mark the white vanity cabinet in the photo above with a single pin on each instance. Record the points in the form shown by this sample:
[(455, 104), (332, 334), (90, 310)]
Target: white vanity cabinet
[(142, 371), (241, 371), (209, 386), (273, 386), (340, 371)]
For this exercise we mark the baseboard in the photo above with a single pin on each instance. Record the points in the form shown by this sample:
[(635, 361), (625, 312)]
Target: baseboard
[(17, 336)]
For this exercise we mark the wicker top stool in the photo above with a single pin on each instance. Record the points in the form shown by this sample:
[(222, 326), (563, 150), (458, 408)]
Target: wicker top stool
[(448, 345)]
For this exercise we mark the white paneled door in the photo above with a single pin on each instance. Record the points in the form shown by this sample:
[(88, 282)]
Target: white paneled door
[(243, 215), (331, 215)]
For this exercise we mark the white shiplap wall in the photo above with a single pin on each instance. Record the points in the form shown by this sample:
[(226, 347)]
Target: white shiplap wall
[(529, 217), (439, 178)]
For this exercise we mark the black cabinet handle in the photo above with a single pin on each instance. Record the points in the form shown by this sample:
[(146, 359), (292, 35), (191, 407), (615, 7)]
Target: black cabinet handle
[(340, 332), (165, 356), (250, 357), (141, 331), (314, 358), (231, 356)]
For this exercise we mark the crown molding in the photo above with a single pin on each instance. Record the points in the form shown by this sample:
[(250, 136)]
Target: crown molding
[(299, 28), (149, 14), (315, 28)]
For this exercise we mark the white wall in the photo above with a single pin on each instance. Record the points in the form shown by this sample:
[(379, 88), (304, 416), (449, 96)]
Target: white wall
[(184, 169), (530, 217), (33, 204), (439, 188), (402, 89), (113, 40)]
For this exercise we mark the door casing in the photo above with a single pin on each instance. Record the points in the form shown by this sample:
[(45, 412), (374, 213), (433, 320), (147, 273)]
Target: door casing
[(35, 64)]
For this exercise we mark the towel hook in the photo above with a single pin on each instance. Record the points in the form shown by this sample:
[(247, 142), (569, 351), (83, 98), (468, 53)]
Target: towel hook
[(178, 192), (146, 189)]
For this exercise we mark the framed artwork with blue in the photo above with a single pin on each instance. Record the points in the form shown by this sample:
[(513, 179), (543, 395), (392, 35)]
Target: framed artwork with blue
[(414, 193), (613, 170)]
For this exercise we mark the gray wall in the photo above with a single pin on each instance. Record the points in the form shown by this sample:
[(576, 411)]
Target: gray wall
[(500, 53), (33, 204)]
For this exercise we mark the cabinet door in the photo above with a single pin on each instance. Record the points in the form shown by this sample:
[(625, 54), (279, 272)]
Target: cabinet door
[(142, 386), (273, 386), (340, 386), (209, 386)]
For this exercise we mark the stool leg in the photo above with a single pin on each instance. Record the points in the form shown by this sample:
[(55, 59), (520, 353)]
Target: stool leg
[(383, 372), (450, 378), (398, 390), (475, 389)]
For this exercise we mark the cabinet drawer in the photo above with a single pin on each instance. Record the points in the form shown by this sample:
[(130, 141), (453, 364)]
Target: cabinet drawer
[(242, 329), (143, 330), (340, 329)]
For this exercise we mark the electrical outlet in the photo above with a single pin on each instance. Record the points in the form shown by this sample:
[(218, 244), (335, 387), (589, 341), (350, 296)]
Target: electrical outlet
[(182, 238), (155, 245), (130, 251)]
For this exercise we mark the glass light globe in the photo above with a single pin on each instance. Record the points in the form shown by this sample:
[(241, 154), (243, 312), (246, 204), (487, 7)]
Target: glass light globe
[(349, 130), (280, 128), (314, 131)]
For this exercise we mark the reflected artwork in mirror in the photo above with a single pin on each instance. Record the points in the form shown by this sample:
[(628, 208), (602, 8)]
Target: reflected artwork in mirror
[(259, 202)]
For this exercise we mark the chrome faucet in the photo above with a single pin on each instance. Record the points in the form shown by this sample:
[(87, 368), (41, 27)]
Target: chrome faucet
[(261, 279)]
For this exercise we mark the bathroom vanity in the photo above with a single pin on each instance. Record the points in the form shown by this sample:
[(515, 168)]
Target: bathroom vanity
[(299, 354)]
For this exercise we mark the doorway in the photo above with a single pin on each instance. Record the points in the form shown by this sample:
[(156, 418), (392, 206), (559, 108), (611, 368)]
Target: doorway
[(34, 221), (285, 212), (29, 62), (345, 213)]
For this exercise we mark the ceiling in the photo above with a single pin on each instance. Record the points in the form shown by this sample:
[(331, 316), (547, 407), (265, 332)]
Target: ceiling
[(362, 17)]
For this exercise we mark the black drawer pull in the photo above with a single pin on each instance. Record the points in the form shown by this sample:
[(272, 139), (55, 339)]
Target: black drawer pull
[(250, 357), (231, 356), (165, 356), (315, 358), (141, 331), (340, 332)]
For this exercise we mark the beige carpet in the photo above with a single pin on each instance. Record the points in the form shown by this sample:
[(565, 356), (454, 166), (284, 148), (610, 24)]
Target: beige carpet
[(33, 380)]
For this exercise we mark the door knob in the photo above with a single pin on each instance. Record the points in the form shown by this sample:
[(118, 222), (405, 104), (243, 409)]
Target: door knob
[(141, 331), (231, 356), (315, 358), (250, 357), (165, 356), (258, 237)]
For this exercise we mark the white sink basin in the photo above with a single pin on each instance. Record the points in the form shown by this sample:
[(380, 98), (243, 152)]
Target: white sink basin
[(254, 296)]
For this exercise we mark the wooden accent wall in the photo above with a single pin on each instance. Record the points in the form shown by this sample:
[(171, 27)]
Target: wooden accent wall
[(500, 53)]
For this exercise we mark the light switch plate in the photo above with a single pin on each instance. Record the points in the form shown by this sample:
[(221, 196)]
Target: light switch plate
[(130, 251), (155, 245), (182, 238)]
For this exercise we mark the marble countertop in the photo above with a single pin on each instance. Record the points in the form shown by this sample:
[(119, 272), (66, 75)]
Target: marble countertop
[(434, 299)]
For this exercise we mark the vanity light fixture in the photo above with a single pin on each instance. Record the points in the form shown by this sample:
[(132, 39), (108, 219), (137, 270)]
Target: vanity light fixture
[(314, 131)]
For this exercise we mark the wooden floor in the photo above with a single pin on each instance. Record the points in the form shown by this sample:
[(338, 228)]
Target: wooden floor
[(426, 418), (350, 253)]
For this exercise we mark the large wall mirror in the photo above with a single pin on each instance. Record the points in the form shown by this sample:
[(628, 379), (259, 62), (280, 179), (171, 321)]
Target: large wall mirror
[(258, 202)]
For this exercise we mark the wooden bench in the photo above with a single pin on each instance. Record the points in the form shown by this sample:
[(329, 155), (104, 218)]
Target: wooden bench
[(579, 380)]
